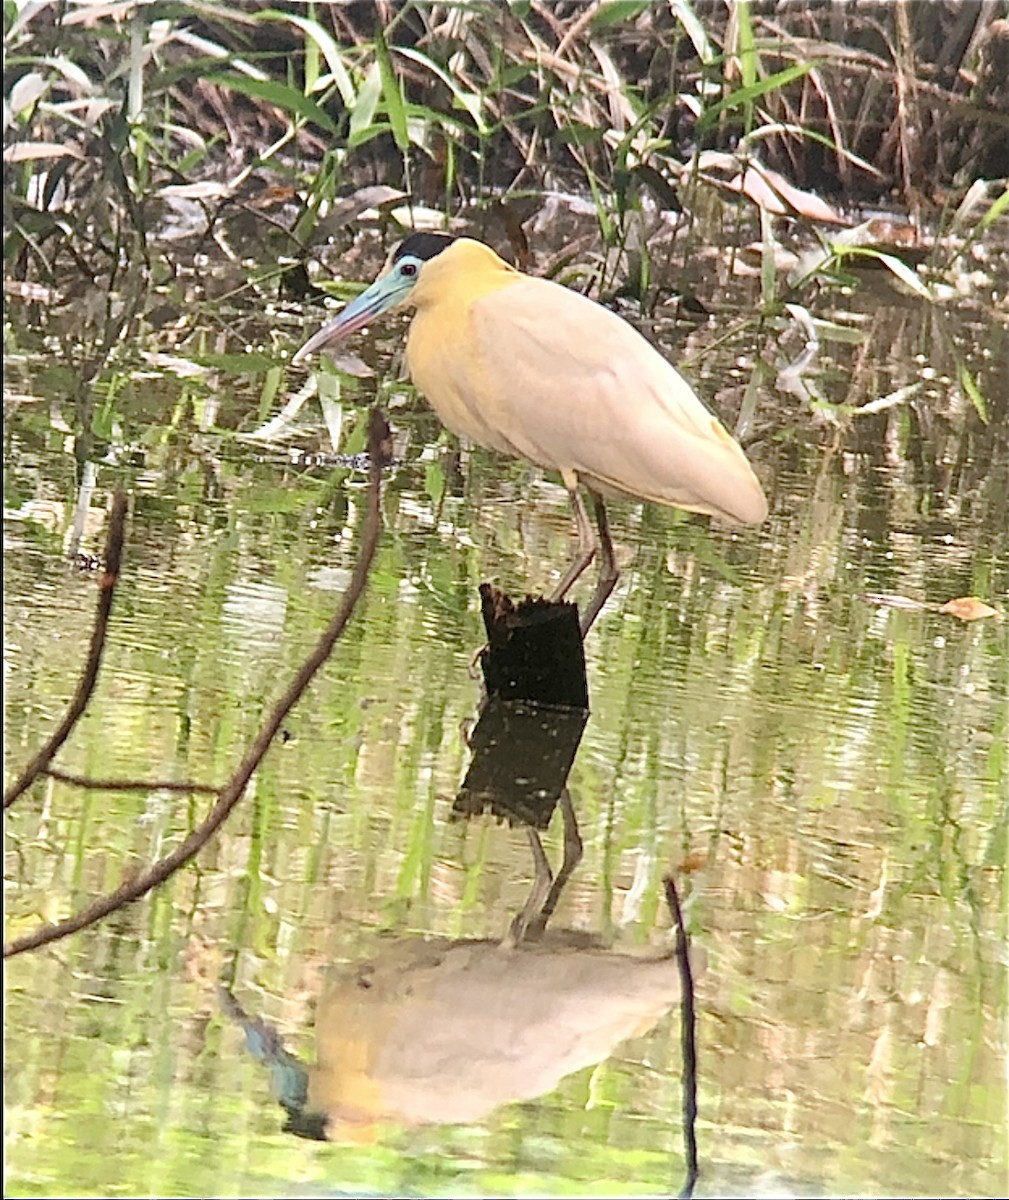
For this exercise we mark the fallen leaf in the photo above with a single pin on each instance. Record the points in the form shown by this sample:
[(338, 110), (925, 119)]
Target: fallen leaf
[(183, 367), (206, 189), (968, 608), (34, 293), (272, 196), (26, 91), (695, 860), (27, 151), (766, 188)]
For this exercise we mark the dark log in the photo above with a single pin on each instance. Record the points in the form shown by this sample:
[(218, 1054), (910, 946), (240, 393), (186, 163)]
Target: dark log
[(534, 651)]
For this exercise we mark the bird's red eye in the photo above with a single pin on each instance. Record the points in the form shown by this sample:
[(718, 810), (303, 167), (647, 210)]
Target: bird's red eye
[(408, 269)]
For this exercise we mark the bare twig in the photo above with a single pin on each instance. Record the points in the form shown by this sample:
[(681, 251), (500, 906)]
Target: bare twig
[(688, 1038), (131, 785), (139, 883), (89, 673)]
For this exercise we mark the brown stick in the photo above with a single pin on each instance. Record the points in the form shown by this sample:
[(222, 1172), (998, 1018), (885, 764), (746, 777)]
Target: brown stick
[(131, 785), (89, 672), (140, 883), (688, 1040)]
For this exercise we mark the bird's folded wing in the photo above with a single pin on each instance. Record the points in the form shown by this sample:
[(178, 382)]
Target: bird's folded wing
[(573, 387)]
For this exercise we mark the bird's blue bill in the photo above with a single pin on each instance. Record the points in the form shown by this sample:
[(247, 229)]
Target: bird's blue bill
[(386, 292)]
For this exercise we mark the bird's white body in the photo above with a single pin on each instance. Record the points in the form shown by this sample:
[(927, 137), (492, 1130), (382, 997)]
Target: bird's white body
[(548, 375)]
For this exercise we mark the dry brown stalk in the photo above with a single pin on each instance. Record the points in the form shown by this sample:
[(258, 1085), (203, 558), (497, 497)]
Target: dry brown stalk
[(92, 664)]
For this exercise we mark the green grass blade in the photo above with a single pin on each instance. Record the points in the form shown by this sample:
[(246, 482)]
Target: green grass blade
[(362, 117), (747, 45), (998, 207), (289, 99), (617, 11), (897, 268), (469, 101), (694, 29), (326, 44), (969, 385), (392, 94), (746, 95)]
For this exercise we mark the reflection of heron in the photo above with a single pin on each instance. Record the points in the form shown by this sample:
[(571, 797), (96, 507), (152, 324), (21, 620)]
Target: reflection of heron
[(532, 369), (443, 1032), (547, 887)]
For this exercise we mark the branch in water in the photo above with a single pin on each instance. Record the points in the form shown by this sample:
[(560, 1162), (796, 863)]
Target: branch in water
[(139, 883), (89, 673), (688, 1038)]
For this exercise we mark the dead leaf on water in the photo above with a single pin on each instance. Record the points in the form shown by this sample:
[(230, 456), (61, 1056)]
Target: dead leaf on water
[(968, 608), (965, 608), (694, 861)]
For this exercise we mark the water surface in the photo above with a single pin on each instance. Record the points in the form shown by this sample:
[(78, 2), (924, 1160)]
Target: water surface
[(781, 717)]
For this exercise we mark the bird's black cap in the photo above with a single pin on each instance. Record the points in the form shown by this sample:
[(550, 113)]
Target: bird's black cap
[(423, 245)]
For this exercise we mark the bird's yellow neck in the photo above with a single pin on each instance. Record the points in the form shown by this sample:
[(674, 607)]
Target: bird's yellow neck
[(440, 351)]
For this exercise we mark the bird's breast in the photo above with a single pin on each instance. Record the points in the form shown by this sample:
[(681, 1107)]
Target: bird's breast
[(445, 362)]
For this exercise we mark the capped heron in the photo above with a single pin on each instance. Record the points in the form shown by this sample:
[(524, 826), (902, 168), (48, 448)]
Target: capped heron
[(532, 369)]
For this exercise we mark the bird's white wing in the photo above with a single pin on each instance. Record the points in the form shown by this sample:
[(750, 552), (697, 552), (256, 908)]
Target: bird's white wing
[(573, 387)]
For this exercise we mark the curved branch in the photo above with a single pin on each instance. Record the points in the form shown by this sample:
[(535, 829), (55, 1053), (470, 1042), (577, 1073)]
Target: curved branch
[(139, 883), (89, 672)]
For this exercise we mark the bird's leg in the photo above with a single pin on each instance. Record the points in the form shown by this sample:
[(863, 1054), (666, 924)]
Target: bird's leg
[(586, 542), (608, 573), (573, 850), (537, 897)]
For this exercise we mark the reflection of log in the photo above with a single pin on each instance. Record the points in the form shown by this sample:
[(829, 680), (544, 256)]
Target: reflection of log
[(530, 725), (441, 1032), (522, 754), (534, 651)]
